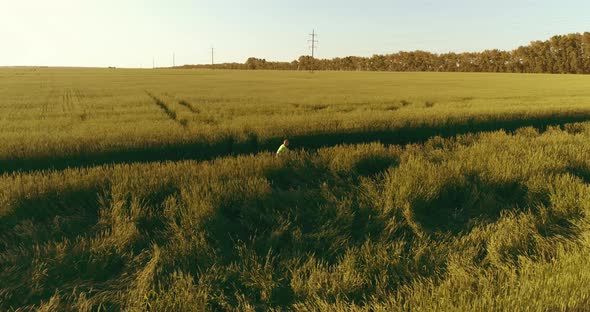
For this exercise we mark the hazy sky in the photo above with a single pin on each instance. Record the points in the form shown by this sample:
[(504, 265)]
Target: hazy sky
[(128, 33)]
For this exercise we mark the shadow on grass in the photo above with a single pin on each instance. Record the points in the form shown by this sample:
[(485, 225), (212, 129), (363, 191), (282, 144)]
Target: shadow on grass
[(581, 171), (52, 216), (460, 206), (371, 166), (61, 229), (200, 150), (310, 210), (42, 230)]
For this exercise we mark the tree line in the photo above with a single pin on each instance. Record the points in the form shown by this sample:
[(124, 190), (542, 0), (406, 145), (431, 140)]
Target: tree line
[(562, 54)]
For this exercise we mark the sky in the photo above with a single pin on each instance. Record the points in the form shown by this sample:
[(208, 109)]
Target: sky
[(135, 33)]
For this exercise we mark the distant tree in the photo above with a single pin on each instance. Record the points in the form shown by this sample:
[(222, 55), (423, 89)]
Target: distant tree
[(585, 48), (560, 54)]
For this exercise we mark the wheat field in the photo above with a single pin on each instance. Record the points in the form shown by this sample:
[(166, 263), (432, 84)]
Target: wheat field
[(157, 190)]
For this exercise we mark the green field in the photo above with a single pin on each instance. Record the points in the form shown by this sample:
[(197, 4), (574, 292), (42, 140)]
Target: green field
[(156, 190), (53, 118)]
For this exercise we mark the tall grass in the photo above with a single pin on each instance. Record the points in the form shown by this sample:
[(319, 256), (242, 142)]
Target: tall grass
[(488, 221)]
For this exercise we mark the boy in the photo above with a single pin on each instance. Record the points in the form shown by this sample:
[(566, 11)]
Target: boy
[(283, 148)]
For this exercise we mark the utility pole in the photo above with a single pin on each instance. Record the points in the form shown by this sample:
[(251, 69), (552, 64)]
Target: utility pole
[(153, 63), (313, 42), (173, 59), (212, 57)]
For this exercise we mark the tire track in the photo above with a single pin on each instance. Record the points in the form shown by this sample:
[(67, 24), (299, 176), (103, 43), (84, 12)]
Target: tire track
[(46, 106), (167, 110), (189, 106)]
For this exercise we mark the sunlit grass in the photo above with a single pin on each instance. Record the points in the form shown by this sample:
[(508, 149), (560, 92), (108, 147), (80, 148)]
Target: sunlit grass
[(112, 199), (81, 114)]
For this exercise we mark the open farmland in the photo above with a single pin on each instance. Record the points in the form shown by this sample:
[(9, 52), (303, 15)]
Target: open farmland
[(54, 118), (154, 190)]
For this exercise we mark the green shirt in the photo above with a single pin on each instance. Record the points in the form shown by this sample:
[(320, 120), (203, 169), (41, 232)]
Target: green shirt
[(282, 149)]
